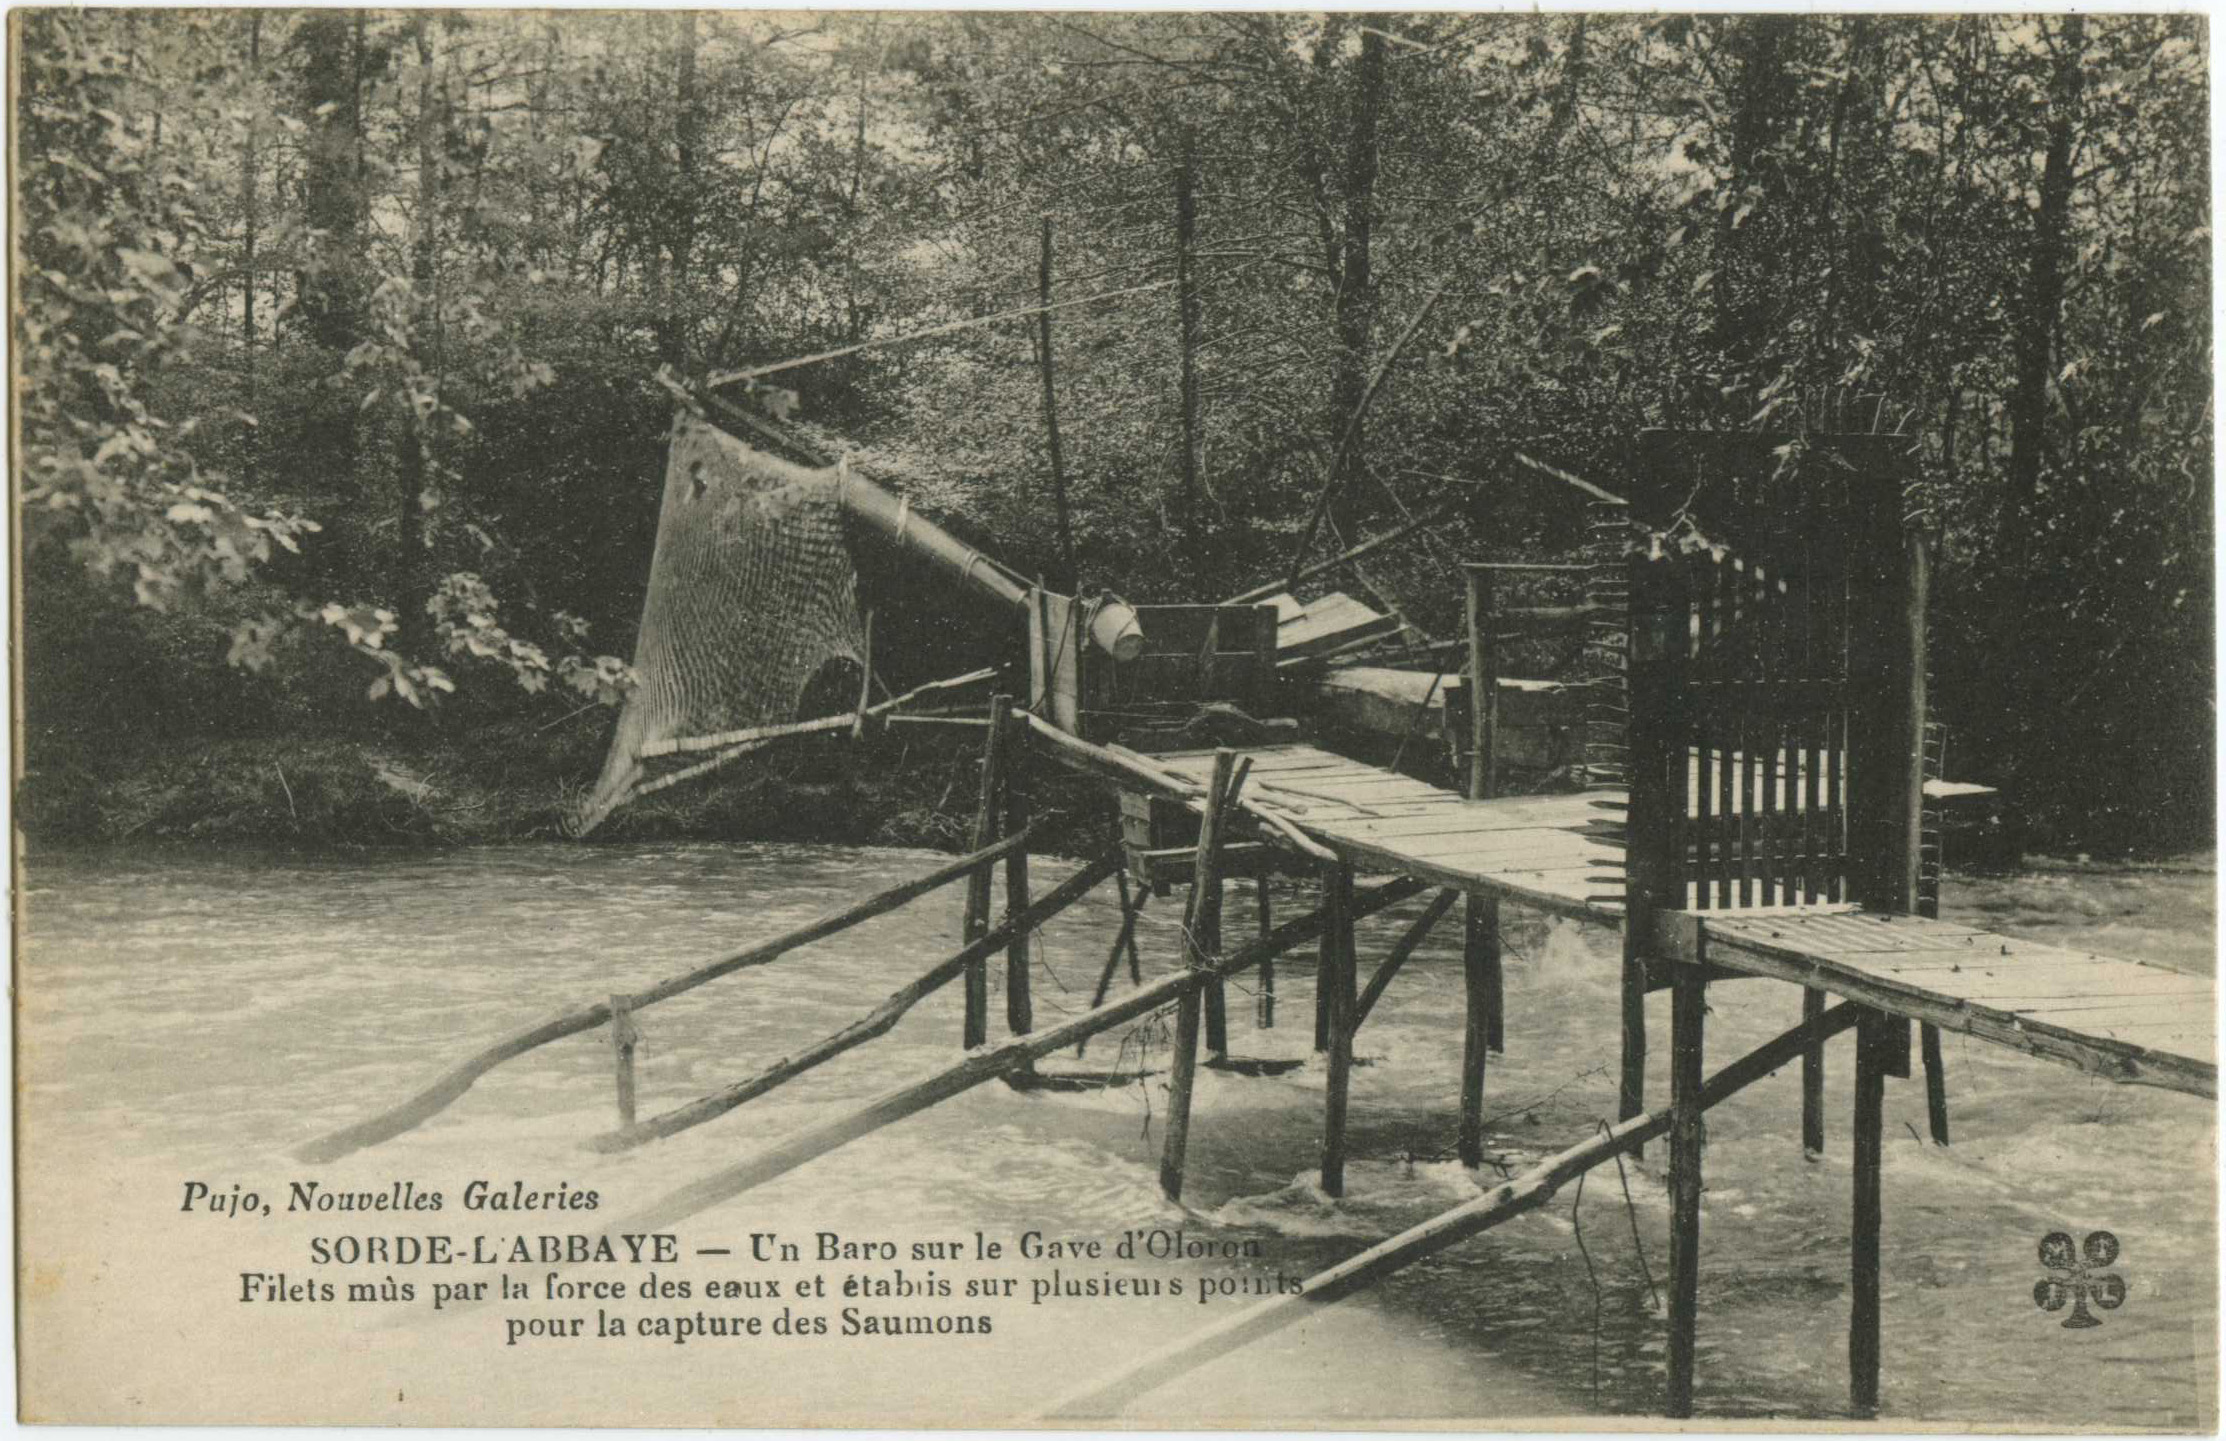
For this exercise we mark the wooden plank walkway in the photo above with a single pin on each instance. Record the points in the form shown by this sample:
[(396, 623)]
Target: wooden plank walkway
[(2128, 1020), (1556, 853), (2131, 1021)]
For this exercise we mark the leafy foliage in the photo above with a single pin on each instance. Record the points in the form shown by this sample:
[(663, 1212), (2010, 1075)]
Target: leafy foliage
[(337, 328)]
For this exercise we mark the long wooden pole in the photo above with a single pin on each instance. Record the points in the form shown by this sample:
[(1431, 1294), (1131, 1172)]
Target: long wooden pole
[(877, 1022), (1864, 1280), (1812, 1080), (1512, 1198), (975, 1025), (1199, 946), (1483, 687), (978, 1067), (454, 1082), (1264, 914), (1479, 940), (1338, 983), (1403, 948), (1066, 580), (1020, 1013)]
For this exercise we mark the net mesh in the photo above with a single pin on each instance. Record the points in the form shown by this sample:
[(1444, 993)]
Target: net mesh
[(752, 594)]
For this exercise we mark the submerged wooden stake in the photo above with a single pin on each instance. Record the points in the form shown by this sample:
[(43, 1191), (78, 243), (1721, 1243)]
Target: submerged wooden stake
[(976, 1025), (1125, 937), (1337, 903), (623, 1037), (1863, 1287), (1936, 1083), (1524, 1193), (1479, 947), (1812, 1080), (1264, 911)]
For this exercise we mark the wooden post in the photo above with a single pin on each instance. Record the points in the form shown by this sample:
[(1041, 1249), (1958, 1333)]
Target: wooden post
[(977, 890), (1654, 826), (1483, 686), (1338, 982), (1199, 953), (1020, 1014), (1215, 993), (1066, 579), (1873, 1040), (1325, 963), (1265, 910), (1928, 905), (1812, 1080), (624, 1035), (1480, 962), (1688, 1013), (1936, 1083)]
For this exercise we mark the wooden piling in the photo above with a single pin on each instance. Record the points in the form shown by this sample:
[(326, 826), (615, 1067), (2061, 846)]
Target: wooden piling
[(1881, 1049), (1337, 984), (1214, 995), (1688, 1013), (1812, 1080), (976, 1027), (1479, 956), (1201, 949), (1936, 1083), (1325, 967), (1019, 1008), (623, 1038), (1264, 912), (1483, 685)]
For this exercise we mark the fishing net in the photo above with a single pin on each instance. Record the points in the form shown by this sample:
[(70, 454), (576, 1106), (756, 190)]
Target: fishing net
[(752, 597)]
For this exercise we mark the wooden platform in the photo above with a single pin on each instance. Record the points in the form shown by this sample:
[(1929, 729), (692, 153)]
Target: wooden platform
[(2126, 1020), (1556, 853)]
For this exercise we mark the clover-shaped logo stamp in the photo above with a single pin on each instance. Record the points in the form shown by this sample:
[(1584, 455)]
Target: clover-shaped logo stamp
[(2079, 1276)]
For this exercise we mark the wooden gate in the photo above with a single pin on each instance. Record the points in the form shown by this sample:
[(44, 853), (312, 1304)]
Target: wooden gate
[(1777, 678)]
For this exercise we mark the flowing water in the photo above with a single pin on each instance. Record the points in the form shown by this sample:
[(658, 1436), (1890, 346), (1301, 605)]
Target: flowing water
[(195, 1017)]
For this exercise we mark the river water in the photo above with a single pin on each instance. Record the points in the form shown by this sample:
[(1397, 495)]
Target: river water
[(191, 1018)]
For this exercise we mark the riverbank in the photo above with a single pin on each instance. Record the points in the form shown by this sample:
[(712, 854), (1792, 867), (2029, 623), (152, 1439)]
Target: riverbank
[(512, 782)]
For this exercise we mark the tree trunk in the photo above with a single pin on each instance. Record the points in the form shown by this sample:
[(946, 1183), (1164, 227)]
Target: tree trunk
[(411, 467), (249, 214), (672, 333), (2041, 311), (1356, 296), (1186, 300)]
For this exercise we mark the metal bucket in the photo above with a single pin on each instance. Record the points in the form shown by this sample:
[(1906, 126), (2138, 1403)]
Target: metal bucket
[(1113, 629)]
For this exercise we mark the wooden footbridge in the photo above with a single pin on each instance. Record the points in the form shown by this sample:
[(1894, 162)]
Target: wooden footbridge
[(1753, 805)]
